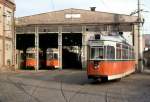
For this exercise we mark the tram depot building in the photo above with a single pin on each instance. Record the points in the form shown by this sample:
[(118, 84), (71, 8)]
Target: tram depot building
[(7, 8), (68, 31)]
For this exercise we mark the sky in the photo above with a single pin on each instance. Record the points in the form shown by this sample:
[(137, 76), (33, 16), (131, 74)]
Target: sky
[(31, 7)]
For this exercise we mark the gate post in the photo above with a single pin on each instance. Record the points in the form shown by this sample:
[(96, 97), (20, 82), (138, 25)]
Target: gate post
[(84, 48), (60, 46), (37, 48)]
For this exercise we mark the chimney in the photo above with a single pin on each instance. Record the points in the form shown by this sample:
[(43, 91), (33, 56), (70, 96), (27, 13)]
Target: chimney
[(92, 8)]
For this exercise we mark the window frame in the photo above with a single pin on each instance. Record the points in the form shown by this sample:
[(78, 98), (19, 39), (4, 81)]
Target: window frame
[(96, 47)]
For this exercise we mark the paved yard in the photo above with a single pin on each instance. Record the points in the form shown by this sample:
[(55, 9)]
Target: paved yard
[(71, 86)]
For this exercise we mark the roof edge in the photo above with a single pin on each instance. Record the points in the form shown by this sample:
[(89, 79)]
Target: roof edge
[(74, 9)]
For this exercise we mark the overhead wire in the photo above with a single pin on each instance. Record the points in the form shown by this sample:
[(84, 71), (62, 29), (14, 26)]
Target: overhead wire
[(105, 5)]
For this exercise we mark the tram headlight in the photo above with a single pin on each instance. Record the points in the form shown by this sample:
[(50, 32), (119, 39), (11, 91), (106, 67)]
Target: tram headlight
[(96, 64)]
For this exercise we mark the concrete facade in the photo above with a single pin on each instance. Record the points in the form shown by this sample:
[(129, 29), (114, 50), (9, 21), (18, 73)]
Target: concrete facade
[(7, 8), (146, 41), (85, 22)]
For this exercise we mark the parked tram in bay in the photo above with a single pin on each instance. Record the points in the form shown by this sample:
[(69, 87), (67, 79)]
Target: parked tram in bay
[(31, 58), (109, 57), (52, 60)]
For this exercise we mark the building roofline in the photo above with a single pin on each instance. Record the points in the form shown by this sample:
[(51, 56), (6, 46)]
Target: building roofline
[(75, 9)]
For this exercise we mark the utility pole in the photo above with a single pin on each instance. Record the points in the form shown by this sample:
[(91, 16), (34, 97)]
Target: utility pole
[(140, 42)]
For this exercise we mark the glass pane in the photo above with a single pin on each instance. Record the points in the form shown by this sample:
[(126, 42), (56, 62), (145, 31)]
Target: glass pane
[(93, 53), (123, 54), (55, 56), (49, 56), (126, 54), (97, 53), (31, 55), (110, 52), (118, 53), (101, 55)]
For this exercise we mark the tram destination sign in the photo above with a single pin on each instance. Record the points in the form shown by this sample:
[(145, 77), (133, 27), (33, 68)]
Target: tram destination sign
[(96, 43)]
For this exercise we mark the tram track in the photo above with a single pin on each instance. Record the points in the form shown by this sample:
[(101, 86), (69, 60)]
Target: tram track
[(19, 84), (106, 96), (120, 96), (75, 93), (68, 90)]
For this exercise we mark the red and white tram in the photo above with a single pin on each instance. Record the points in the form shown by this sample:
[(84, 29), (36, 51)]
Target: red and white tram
[(109, 57)]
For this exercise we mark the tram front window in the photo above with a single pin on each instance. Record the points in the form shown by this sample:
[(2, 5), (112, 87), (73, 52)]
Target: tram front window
[(49, 56), (97, 53), (55, 56), (31, 55)]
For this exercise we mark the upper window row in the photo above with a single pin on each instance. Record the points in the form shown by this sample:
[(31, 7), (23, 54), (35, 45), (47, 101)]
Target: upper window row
[(109, 52)]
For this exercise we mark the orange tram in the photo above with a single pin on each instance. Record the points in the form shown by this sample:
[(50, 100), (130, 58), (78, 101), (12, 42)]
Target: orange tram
[(52, 60), (109, 58), (31, 59)]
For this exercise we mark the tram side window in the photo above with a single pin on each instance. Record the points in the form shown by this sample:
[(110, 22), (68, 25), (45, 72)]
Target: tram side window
[(125, 52), (110, 52), (118, 53), (130, 53)]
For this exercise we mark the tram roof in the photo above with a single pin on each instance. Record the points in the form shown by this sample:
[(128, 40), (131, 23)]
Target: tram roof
[(51, 49), (32, 49), (115, 38)]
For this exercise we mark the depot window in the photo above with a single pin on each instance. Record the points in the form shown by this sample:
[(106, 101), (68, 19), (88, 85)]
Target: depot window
[(72, 15)]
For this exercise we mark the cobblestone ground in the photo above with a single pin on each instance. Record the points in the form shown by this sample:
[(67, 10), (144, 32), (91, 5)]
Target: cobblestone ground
[(71, 86)]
